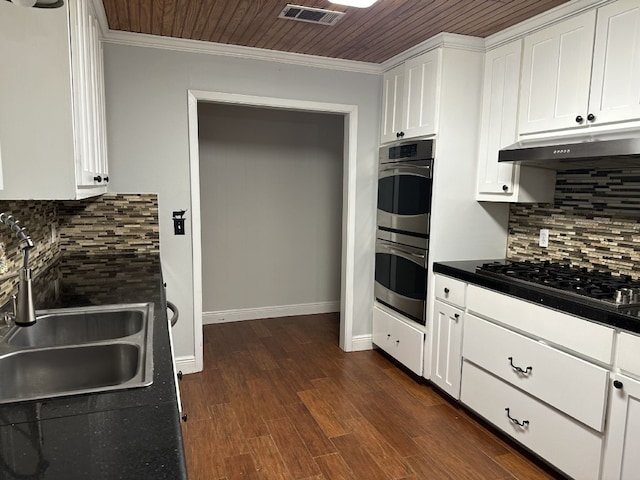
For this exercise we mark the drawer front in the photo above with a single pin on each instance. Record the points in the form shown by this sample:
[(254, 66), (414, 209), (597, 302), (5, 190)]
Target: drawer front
[(573, 333), (568, 445), (402, 341), (628, 353), (450, 290), (574, 386)]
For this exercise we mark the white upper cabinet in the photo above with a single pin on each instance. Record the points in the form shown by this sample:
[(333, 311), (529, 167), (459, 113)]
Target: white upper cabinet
[(393, 87), (505, 182), (556, 71), (51, 103), (615, 80), (422, 86), (411, 98), (583, 72)]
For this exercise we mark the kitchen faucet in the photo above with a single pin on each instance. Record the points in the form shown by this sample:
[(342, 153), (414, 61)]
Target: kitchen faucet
[(24, 313)]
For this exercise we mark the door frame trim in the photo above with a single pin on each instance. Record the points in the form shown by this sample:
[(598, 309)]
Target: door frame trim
[(347, 280)]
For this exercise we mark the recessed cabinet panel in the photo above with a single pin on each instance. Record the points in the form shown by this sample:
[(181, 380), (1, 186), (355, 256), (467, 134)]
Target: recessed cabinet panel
[(505, 182), (393, 85), (615, 82), (421, 99), (446, 357), (556, 74), (621, 459)]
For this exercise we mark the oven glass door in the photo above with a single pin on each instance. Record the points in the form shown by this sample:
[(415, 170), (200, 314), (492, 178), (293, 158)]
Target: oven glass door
[(401, 278), (404, 196)]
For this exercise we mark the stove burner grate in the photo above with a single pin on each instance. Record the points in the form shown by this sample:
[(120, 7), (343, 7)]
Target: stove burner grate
[(618, 291)]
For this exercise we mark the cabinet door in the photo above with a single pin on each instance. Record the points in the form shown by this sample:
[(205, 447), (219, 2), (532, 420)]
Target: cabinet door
[(615, 81), (556, 70), (446, 355), (88, 85), (422, 90), (621, 460), (393, 88), (499, 119)]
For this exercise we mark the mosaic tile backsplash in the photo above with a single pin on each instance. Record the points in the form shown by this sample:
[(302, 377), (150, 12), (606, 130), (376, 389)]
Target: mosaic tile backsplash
[(110, 224), (593, 222)]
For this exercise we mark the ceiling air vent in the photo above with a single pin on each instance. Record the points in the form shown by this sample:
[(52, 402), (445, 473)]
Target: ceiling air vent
[(311, 15)]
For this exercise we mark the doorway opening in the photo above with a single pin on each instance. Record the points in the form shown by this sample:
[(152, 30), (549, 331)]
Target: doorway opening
[(347, 248)]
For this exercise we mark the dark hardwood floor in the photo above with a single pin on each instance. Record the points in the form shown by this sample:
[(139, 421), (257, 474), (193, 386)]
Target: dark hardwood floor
[(278, 399)]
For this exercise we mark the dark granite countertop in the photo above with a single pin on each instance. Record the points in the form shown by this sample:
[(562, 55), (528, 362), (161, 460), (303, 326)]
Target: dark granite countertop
[(127, 434), (466, 271)]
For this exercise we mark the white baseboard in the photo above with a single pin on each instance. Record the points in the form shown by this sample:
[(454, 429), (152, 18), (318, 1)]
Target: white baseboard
[(186, 364), (224, 316), (361, 342)]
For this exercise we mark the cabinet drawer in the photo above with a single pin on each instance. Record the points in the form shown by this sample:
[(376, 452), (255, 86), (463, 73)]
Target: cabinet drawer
[(568, 445), (402, 341), (573, 333), (450, 290), (628, 357), (574, 386)]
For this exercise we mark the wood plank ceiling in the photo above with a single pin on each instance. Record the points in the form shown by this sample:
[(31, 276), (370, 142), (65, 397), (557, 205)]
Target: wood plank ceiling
[(372, 34)]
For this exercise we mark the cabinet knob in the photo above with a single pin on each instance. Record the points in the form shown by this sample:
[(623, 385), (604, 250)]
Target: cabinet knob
[(97, 178), (184, 417), (388, 335), (446, 291), (505, 188), (397, 342), (179, 375), (456, 316), (591, 117), (399, 134), (106, 179), (579, 119), (618, 384)]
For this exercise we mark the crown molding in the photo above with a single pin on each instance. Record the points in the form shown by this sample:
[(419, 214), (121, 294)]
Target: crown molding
[(219, 49), (442, 40), (545, 19)]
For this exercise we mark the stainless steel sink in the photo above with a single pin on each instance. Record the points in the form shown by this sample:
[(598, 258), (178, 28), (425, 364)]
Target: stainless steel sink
[(78, 350), (73, 328)]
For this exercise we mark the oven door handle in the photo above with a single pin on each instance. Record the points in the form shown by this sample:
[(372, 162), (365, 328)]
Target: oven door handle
[(404, 169), (386, 247)]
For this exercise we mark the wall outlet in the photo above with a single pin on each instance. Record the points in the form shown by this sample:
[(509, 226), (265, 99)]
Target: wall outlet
[(544, 237)]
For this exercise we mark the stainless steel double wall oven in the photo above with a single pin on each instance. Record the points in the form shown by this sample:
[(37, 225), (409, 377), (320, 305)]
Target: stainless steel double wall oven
[(405, 181)]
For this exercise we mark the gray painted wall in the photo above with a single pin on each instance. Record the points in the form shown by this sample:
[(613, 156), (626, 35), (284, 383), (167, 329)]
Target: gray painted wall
[(146, 90), (271, 206)]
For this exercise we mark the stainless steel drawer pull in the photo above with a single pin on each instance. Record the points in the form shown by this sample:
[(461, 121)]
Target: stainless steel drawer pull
[(522, 423), (526, 371)]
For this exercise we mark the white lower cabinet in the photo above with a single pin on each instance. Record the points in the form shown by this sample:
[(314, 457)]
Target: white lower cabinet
[(622, 452), (446, 357), (570, 446), (570, 384), (402, 341)]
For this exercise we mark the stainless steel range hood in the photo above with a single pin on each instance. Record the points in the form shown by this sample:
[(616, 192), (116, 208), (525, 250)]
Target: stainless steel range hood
[(585, 152)]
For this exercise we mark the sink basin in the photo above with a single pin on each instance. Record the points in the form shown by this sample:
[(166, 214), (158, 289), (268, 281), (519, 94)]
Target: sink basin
[(78, 350), (58, 329), (30, 374)]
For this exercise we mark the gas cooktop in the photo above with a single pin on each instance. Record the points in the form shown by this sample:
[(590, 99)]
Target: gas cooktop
[(600, 288)]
